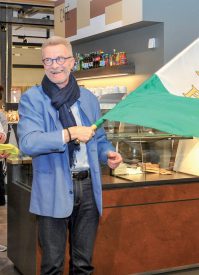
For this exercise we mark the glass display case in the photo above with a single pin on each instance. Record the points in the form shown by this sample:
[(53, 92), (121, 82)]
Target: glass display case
[(152, 156)]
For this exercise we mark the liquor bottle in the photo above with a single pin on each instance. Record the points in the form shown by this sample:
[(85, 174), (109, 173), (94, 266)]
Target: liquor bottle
[(123, 58), (102, 59)]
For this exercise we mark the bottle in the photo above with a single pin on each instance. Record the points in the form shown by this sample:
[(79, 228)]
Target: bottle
[(102, 59), (123, 58), (77, 62), (106, 59)]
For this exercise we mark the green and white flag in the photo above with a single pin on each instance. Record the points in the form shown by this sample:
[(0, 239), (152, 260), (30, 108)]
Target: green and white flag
[(168, 100)]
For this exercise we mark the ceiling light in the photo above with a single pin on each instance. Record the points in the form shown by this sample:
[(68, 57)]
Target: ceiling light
[(17, 54)]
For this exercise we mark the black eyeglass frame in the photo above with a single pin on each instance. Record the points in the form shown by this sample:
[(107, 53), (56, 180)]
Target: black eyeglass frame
[(60, 60)]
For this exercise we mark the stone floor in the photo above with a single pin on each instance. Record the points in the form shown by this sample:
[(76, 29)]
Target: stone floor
[(7, 267)]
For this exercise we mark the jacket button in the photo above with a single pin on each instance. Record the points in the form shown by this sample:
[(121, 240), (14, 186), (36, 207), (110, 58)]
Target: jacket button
[(70, 192)]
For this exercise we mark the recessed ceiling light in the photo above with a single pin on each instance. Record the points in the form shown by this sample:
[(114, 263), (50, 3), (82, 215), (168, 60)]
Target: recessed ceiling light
[(17, 54)]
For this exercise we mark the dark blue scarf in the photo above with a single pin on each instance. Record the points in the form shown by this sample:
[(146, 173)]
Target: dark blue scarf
[(62, 100)]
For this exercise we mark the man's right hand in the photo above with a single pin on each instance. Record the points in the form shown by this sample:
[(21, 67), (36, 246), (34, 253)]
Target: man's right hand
[(81, 133)]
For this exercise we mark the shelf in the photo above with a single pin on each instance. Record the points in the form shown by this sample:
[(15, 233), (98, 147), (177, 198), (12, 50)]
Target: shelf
[(143, 137), (120, 70), (108, 33)]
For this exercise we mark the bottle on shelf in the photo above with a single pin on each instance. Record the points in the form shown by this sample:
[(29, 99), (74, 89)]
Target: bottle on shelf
[(99, 59)]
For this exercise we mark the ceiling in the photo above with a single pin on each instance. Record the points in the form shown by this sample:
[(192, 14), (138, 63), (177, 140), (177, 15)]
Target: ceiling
[(30, 10), (32, 2)]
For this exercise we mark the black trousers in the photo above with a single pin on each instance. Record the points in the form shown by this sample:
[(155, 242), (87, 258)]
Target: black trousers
[(2, 184), (82, 226)]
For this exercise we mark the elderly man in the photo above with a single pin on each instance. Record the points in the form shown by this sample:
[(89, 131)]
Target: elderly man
[(55, 129)]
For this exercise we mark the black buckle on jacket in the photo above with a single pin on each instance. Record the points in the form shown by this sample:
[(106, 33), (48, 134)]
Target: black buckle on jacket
[(81, 175)]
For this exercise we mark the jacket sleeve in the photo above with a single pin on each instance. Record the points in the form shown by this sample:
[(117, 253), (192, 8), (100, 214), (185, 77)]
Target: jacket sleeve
[(36, 136)]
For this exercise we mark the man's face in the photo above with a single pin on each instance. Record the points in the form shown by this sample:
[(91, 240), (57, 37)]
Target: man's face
[(56, 72)]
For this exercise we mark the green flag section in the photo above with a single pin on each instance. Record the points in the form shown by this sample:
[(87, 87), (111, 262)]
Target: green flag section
[(168, 100), (152, 106), (9, 149)]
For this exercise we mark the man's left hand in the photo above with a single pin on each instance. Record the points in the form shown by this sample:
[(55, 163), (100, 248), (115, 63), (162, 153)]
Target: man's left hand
[(114, 159)]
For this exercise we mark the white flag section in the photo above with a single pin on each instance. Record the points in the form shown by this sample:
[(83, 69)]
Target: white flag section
[(181, 77)]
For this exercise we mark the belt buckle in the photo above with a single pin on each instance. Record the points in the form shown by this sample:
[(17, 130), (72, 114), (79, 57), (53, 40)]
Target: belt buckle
[(81, 175)]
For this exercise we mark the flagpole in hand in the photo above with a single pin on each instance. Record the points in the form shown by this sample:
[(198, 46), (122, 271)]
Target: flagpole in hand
[(94, 126), (98, 123)]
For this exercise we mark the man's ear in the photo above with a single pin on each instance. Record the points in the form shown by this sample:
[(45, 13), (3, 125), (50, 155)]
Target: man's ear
[(72, 63)]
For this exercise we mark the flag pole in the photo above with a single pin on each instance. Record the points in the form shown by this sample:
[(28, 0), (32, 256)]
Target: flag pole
[(94, 126), (98, 123)]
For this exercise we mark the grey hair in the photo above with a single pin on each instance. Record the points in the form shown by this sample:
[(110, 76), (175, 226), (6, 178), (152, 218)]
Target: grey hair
[(57, 40)]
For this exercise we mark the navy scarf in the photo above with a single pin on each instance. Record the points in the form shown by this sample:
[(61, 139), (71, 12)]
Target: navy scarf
[(62, 100)]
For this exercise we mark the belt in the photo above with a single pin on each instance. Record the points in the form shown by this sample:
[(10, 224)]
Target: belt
[(81, 175)]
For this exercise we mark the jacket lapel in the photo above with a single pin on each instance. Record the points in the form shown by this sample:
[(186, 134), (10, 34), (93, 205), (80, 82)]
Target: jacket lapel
[(87, 112), (51, 110)]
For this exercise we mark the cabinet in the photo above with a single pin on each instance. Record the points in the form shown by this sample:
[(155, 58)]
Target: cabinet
[(88, 18)]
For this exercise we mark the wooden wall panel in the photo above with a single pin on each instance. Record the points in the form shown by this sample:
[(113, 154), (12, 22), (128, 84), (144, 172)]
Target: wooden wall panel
[(132, 11), (113, 13), (59, 2), (83, 13), (59, 14), (147, 237), (98, 6), (71, 23)]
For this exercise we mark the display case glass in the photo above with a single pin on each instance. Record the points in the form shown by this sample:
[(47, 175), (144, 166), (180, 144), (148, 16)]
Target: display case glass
[(152, 156), (149, 157)]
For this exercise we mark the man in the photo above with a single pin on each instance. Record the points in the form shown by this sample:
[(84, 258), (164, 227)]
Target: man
[(54, 129)]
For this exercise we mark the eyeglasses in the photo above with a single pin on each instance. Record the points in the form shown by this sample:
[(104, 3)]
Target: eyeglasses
[(60, 60)]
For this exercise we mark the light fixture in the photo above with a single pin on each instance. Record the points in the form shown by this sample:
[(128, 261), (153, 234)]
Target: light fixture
[(25, 41), (101, 76), (3, 28)]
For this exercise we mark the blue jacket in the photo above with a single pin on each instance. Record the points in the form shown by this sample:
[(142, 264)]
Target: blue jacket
[(40, 136)]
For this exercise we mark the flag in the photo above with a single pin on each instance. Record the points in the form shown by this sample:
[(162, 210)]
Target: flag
[(168, 101)]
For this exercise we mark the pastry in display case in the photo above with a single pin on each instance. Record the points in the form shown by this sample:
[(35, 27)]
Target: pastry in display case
[(12, 116)]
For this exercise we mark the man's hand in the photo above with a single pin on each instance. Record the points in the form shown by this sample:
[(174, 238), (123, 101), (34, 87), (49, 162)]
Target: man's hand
[(114, 159), (81, 133)]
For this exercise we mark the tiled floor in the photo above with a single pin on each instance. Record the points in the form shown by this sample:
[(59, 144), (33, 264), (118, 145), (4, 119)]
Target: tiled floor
[(7, 267)]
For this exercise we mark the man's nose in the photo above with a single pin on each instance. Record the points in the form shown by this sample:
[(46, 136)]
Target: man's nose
[(54, 63)]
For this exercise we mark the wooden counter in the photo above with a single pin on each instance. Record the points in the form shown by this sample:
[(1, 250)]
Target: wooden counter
[(145, 227)]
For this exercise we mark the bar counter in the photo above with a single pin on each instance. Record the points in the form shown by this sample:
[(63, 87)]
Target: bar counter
[(147, 226)]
